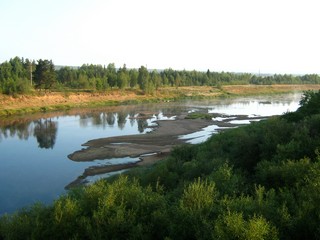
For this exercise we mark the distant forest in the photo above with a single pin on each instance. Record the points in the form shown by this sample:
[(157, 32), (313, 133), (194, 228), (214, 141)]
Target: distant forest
[(20, 76)]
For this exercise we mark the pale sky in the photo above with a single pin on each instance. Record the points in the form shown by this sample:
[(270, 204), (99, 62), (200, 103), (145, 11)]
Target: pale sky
[(270, 36)]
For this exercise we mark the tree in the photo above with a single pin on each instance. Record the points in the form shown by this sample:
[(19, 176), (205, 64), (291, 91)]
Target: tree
[(234, 226), (112, 75), (13, 77), (5, 71), (143, 78), (29, 67), (123, 77), (18, 70), (66, 75), (133, 74), (177, 80), (44, 75), (156, 79)]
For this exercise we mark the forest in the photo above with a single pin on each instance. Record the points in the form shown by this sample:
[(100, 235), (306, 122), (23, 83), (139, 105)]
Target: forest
[(21, 76), (260, 181)]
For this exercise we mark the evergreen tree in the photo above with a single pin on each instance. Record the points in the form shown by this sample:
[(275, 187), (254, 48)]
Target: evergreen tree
[(112, 75), (123, 77), (143, 78), (44, 75), (133, 74)]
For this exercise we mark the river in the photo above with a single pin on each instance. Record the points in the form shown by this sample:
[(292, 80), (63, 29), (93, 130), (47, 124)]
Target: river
[(34, 148)]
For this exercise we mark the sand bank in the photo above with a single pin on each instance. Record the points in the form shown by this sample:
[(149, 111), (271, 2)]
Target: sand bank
[(149, 148)]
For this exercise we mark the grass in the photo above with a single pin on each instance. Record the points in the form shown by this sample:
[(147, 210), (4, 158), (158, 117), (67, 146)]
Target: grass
[(198, 115)]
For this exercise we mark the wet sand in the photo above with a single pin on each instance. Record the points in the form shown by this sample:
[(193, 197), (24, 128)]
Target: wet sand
[(159, 141), (149, 148)]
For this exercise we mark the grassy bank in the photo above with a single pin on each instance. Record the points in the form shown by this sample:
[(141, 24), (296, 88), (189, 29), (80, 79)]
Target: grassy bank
[(53, 101)]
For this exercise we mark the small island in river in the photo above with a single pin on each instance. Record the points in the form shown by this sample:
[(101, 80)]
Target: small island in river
[(150, 147)]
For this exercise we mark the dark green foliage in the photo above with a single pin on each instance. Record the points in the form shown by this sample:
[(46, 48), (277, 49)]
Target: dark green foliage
[(309, 105), (133, 73), (143, 79), (15, 76), (12, 86), (123, 77), (197, 115), (111, 74), (44, 75), (283, 174), (27, 224)]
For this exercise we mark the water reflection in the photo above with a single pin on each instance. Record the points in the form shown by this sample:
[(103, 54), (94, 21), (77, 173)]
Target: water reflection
[(122, 119), (110, 118), (142, 124), (45, 131), (256, 108), (22, 131)]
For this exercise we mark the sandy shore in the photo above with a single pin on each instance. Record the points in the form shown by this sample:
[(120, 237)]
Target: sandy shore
[(159, 141), (150, 147)]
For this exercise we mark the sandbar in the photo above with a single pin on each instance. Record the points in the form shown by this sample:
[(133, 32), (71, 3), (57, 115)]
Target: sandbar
[(149, 148)]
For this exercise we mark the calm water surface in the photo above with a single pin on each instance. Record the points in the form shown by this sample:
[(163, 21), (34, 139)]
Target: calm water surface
[(34, 149)]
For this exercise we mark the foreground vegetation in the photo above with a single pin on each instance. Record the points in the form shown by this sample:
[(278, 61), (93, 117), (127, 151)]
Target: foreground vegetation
[(260, 181)]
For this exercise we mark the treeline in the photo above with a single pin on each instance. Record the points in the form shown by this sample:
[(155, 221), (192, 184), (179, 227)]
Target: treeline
[(260, 181), (15, 75), (19, 75)]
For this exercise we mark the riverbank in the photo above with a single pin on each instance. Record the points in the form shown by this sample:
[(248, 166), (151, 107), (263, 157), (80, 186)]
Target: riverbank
[(53, 101)]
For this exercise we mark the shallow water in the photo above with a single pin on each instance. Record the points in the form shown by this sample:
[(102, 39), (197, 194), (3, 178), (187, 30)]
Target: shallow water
[(34, 149)]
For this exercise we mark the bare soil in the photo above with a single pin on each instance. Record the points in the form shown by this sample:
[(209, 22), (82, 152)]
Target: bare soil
[(160, 141), (81, 99)]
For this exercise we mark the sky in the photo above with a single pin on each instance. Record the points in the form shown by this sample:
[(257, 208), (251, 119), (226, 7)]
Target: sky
[(267, 36)]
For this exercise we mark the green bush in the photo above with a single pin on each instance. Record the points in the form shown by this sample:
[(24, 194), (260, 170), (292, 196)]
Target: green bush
[(233, 226)]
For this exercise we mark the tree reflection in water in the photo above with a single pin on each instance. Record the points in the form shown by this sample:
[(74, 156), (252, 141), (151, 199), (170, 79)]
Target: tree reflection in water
[(22, 130), (132, 118), (46, 132), (142, 124), (96, 119), (122, 119), (45, 129), (110, 118)]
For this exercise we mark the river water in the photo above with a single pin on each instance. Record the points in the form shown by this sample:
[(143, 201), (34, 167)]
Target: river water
[(34, 148)]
